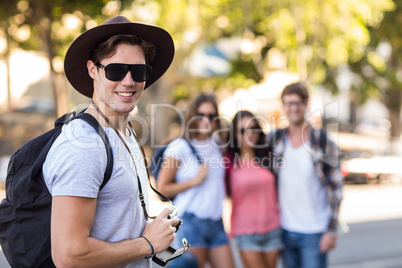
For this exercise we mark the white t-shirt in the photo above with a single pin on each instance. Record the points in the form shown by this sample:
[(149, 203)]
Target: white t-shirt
[(303, 203), (75, 166), (205, 200)]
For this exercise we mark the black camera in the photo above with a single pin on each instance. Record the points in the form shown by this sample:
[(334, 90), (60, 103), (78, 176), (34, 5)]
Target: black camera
[(173, 214), (170, 253)]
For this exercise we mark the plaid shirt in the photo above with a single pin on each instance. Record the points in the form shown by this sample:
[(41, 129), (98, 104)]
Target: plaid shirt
[(326, 165)]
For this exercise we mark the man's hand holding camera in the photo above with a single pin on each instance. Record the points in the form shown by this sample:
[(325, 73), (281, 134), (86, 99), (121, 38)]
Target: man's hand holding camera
[(161, 231)]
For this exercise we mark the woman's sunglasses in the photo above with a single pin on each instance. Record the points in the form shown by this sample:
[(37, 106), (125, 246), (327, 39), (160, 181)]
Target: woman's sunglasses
[(117, 71), (209, 116), (251, 129)]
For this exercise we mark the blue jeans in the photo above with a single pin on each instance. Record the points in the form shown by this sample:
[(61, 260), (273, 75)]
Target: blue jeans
[(303, 251)]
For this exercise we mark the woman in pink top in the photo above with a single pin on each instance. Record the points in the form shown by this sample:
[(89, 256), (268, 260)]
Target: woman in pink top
[(255, 223)]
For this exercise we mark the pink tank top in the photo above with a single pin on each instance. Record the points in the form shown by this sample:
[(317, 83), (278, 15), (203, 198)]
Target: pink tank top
[(255, 207)]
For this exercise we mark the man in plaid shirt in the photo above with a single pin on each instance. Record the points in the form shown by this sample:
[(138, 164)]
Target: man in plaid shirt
[(306, 162)]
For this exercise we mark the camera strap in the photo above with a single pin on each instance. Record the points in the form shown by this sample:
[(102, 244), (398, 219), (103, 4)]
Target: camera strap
[(131, 129)]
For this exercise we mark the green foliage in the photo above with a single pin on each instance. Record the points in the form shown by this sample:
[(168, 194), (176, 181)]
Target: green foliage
[(316, 32), (378, 68), (313, 37), (52, 25), (311, 33)]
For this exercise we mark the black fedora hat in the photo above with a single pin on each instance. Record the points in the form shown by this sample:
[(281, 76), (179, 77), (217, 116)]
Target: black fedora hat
[(75, 62)]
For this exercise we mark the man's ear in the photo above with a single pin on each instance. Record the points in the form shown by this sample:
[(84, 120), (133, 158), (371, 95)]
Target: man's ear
[(91, 69)]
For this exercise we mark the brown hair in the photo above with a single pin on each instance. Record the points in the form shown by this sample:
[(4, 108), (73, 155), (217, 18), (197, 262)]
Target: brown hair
[(298, 89), (192, 112), (108, 48)]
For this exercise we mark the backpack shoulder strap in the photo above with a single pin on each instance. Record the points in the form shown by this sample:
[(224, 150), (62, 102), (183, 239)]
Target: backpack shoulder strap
[(278, 133), (319, 137), (199, 160), (274, 136), (323, 146), (98, 128), (323, 140), (64, 119)]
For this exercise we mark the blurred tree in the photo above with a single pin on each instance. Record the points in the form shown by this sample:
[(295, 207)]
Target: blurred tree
[(50, 26), (306, 35), (385, 57), (309, 37), (379, 73), (6, 8), (315, 34)]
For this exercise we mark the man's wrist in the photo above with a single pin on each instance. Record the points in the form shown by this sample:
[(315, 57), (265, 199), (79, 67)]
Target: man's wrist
[(152, 247)]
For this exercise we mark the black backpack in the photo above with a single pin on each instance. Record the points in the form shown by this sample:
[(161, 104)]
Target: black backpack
[(26, 210), (157, 160)]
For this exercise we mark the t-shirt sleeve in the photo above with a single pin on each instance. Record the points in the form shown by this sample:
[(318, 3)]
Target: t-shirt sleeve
[(177, 149), (76, 167)]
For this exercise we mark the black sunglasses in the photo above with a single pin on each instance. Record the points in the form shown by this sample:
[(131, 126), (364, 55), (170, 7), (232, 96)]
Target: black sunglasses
[(209, 116), (253, 129), (117, 71)]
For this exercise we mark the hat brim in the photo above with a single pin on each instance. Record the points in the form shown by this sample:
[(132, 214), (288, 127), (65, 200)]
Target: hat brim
[(75, 62)]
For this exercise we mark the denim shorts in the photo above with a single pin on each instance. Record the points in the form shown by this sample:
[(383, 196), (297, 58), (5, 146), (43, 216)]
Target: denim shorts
[(204, 233), (260, 242)]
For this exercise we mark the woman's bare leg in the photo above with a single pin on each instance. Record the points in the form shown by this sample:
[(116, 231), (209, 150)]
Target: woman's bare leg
[(271, 258), (221, 257), (200, 254), (252, 259)]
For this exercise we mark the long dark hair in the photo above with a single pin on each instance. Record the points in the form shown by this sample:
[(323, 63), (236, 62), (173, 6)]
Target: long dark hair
[(261, 150)]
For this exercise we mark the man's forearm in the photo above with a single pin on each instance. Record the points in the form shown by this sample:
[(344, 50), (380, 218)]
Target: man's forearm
[(98, 253), (72, 246)]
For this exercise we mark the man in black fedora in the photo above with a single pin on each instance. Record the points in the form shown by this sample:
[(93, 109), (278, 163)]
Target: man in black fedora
[(112, 64)]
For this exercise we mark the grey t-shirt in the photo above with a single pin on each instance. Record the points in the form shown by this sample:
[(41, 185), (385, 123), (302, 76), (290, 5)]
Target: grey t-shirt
[(75, 166)]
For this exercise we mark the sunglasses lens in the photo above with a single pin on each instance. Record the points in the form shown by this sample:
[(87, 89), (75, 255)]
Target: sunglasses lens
[(251, 130), (209, 116), (116, 72), (140, 72)]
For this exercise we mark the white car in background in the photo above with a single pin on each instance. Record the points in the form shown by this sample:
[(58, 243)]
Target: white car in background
[(378, 168)]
